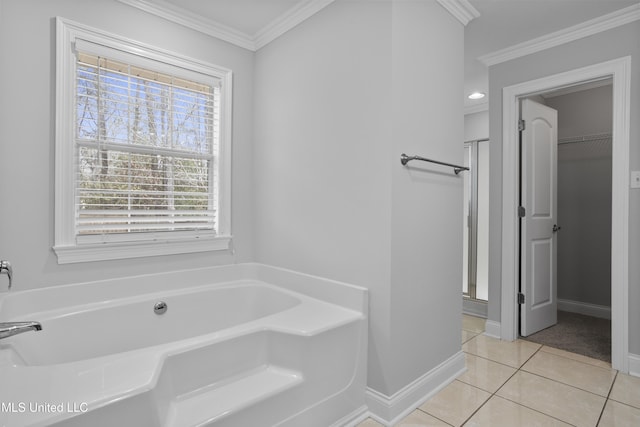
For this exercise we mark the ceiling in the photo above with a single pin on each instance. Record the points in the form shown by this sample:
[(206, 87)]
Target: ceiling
[(504, 23), (501, 24)]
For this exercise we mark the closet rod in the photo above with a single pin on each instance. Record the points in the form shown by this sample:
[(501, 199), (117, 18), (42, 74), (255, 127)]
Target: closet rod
[(585, 138), (404, 159)]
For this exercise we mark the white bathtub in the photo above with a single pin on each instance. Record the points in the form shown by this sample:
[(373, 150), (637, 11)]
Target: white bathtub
[(243, 345)]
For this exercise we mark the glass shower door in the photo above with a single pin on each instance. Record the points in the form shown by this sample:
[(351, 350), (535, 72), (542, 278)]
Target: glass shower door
[(476, 221)]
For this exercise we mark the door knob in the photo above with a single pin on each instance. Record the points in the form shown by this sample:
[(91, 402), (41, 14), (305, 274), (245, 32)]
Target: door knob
[(556, 228)]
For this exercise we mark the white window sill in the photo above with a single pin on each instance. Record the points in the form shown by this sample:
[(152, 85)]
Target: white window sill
[(123, 250)]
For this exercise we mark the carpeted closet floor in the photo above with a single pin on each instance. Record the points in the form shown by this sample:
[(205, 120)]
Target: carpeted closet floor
[(577, 333)]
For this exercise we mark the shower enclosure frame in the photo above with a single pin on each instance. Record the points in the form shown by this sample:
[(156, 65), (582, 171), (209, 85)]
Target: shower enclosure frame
[(472, 219)]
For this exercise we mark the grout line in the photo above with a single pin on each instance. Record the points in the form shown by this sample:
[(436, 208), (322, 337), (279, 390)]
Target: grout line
[(575, 360), (560, 382), (607, 398), (496, 391), (567, 384), (520, 403), (488, 399), (535, 410), (509, 400), (530, 357), (491, 360), (501, 363), (477, 409), (431, 415), (520, 369)]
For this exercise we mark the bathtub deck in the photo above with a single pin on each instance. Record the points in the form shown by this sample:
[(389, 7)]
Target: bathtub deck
[(211, 405)]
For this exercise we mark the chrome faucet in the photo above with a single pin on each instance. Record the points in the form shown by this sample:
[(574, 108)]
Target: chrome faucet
[(5, 268), (8, 329)]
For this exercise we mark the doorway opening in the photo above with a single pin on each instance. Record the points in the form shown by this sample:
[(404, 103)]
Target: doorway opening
[(619, 71), (475, 285), (580, 240)]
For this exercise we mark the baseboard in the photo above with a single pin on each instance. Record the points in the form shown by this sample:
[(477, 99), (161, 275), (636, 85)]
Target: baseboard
[(634, 364), (474, 307), (492, 329), (594, 310), (389, 410), (354, 418)]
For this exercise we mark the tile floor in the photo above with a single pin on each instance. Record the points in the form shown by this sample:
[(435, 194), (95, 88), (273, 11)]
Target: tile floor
[(526, 384)]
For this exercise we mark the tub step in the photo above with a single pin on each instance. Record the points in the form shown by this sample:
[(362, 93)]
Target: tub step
[(205, 406)]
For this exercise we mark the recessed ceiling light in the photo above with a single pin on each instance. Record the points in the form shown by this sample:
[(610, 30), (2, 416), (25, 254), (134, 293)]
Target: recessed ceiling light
[(476, 95)]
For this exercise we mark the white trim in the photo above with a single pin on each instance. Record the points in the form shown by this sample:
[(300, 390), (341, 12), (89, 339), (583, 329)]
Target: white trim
[(462, 10), (566, 35), (619, 70), (354, 418), (634, 364), (478, 108), (285, 22), (65, 246), (578, 88), (389, 410), (196, 22), (101, 252), (492, 329), (594, 310)]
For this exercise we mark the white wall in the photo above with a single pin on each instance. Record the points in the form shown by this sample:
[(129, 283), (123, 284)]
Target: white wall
[(615, 43), (476, 126), (317, 181), (426, 237), (584, 196), (322, 155), (334, 109), (586, 112), (27, 84)]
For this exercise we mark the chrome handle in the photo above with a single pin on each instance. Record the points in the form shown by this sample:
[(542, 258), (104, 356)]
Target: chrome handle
[(5, 268), (556, 228)]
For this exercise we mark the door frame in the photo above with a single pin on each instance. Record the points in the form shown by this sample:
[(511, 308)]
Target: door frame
[(620, 71), (472, 219)]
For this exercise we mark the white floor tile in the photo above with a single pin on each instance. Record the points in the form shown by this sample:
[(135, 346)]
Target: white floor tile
[(560, 401), (455, 403)]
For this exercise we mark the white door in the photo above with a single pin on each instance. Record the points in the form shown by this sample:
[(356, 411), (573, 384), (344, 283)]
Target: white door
[(538, 241)]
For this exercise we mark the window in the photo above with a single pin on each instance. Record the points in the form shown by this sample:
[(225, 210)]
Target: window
[(142, 156)]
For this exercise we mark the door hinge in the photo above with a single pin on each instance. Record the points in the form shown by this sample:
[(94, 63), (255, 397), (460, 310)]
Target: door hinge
[(521, 125), (520, 298), (522, 211)]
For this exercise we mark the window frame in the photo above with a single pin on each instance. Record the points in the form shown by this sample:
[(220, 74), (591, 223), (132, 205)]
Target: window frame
[(66, 247)]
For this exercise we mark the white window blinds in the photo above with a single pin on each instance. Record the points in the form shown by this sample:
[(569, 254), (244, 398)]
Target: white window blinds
[(147, 143)]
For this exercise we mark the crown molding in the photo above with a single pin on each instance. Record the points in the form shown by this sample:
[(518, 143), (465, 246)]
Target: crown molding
[(188, 19), (291, 18), (557, 38), (272, 31), (462, 10), (478, 108)]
